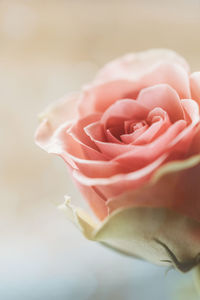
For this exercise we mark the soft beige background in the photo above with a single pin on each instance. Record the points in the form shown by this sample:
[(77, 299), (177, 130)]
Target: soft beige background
[(48, 48)]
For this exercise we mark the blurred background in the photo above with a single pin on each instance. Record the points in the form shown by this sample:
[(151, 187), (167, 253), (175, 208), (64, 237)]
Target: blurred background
[(48, 48)]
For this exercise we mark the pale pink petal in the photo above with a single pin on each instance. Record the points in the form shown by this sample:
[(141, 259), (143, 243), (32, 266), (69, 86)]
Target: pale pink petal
[(143, 155), (119, 183), (123, 110), (191, 108), (76, 148), (134, 65), (156, 129), (98, 96), (183, 141), (76, 154), (130, 138), (94, 199), (151, 133), (60, 112), (159, 121), (55, 141), (195, 145), (178, 191), (162, 96), (78, 133), (195, 86), (97, 168), (192, 111), (111, 137), (128, 125), (96, 133)]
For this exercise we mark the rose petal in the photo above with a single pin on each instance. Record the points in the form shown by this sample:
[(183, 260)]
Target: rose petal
[(159, 235), (143, 155), (60, 112), (124, 232), (123, 110), (192, 110), (175, 186), (195, 86), (151, 133), (55, 143), (78, 133), (98, 96), (163, 96), (97, 168), (183, 141), (119, 183), (195, 145), (130, 138), (76, 154), (96, 133), (111, 137), (94, 199), (78, 149), (134, 65), (145, 135)]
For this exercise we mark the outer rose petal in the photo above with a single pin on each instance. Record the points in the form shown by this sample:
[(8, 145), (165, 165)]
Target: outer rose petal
[(175, 186), (55, 115), (124, 82), (95, 200), (61, 111), (157, 238), (195, 146), (119, 183), (192, 110), (183, 141), (195, 86), (135, 65), (97, 98), (153, 234)]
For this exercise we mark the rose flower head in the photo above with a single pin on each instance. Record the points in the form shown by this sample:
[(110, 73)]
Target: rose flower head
[(131, 140)]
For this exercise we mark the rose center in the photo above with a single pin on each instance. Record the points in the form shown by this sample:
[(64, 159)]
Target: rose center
[(138, 125), (131, 126)]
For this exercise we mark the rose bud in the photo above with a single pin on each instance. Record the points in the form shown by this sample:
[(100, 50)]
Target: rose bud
[(131, 140)]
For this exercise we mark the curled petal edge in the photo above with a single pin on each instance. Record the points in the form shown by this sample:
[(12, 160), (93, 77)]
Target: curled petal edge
[(156, 239)]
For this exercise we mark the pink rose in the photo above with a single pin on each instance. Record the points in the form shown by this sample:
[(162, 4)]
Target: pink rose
[(139, 113), (131, 138)]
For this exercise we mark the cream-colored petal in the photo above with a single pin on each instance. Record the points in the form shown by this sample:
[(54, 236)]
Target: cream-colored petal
[(135, 64), (159, 235), (155, 234), (197, 279), (79, 218), (61, 110)]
